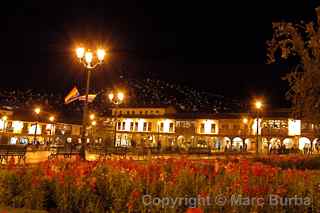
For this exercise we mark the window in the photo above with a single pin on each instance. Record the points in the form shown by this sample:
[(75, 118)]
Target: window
[(140, 112), (149, 126), (161, 127), (131, 126), (202, 128), (120, 112), (151, 112), (118, 126), (136, 126), (132, 112), (146, 112), (144, 126), (123, 125), (157, 111), (171, 127), (213, 128)]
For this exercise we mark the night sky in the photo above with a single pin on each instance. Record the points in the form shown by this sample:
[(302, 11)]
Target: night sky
[(219, 47)]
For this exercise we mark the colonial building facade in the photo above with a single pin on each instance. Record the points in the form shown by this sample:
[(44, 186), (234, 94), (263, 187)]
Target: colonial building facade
[(164, 127), (23, 128)]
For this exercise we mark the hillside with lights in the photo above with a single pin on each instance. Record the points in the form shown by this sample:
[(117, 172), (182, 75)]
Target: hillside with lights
[(146, 92)]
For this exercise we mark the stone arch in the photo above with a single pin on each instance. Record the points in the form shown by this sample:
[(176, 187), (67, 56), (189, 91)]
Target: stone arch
[(288, 143), (267, 144), (316, 145), (181, 142), (226, 142), (217, 144), (248, 142), (304, 142), (237, 142)]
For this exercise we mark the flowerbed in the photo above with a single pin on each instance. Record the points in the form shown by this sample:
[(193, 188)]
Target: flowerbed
[(122, 186), (291, 161)]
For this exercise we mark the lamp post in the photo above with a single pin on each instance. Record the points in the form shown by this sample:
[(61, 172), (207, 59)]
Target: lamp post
[(51, 119), (258, 106), (37, 111), (116, 100), (4, 119), (245, 123), (93, 125), (86, 59)]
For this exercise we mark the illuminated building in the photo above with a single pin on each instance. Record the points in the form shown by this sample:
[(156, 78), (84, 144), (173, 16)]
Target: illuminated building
[(19, 128), (150, 126)]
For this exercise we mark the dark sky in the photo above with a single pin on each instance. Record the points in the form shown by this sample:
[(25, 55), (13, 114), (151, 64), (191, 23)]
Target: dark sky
[(219, 47)]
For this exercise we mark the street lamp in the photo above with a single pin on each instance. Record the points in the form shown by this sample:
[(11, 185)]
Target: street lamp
[(51, 119), (258, 106), (116, 100), (245, 123), (4, 119), (37, 110), (245, 120), (93, 125), (87, 59)]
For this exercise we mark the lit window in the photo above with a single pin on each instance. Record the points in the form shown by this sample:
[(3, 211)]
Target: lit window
[(17, 126), (131, 126), (202, 128), (171, 127), (213, 128), (149, 126), (118, 126), (32, 129), (161, 127), (144, 126)]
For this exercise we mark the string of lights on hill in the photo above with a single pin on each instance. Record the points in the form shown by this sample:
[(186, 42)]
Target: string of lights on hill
[(146, 92)]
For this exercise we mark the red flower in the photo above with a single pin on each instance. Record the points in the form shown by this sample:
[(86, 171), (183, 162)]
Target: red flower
[(194, 210), (129, 205), (135, 194), (257, 169)]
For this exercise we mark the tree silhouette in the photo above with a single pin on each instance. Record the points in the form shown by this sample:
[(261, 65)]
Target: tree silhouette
[(300, 43)]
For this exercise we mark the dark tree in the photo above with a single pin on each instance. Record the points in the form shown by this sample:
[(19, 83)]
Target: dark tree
[(300, 43)]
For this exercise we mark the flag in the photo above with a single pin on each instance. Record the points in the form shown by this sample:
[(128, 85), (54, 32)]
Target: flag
[(91, 97), (72, 96)]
